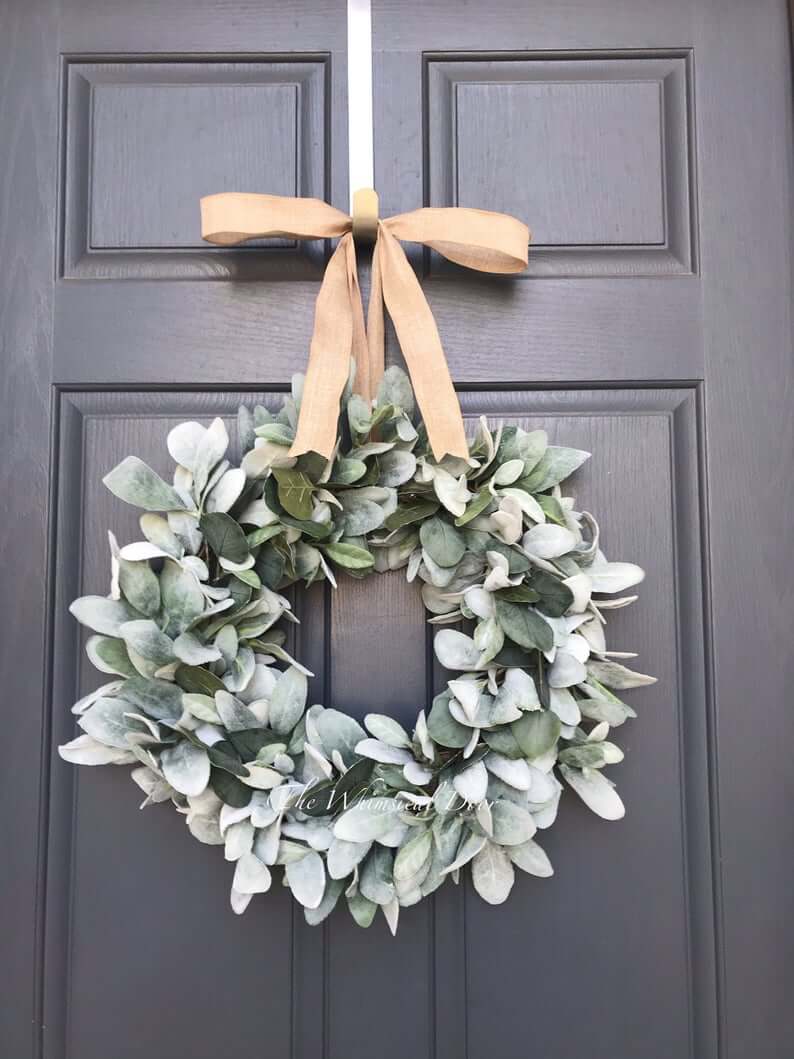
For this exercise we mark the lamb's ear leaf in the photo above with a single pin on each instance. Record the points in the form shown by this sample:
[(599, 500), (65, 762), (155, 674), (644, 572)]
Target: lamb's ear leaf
[(224, 536), (136, 483)]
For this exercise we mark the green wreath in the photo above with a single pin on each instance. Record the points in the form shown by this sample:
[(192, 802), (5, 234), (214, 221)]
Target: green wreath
[(209, 707)]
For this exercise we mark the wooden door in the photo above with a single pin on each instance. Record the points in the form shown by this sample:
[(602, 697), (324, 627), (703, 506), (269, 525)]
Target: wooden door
[(648, 145)]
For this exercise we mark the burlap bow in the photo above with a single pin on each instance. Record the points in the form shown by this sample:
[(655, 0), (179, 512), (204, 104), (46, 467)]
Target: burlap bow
[(488, 242)]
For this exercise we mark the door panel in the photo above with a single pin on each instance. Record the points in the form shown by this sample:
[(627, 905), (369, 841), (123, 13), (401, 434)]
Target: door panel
[(648, 145)]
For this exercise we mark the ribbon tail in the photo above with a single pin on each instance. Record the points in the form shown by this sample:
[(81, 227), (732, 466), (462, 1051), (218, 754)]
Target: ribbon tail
[(363, 382), (421, 346), (329, 357), (375, 324)]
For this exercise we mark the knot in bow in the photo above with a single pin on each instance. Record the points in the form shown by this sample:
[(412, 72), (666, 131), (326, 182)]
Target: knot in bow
[(478, 239)]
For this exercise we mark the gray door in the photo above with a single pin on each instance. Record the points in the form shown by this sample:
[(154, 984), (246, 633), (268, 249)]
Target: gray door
[(648, 144)]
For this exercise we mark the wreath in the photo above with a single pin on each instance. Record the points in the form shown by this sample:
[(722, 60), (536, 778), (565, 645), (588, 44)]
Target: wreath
[(207, 704)]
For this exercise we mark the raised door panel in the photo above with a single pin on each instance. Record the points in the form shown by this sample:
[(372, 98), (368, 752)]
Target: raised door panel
[(371, 650)]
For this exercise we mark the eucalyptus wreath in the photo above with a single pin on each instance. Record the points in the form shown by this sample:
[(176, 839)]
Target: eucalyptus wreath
[(207, 704)]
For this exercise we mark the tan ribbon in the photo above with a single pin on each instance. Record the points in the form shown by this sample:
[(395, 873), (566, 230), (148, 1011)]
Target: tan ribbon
[(478, 239)]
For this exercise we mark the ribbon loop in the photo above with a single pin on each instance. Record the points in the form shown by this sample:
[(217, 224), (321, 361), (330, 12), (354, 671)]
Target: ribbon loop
[(477, 239)]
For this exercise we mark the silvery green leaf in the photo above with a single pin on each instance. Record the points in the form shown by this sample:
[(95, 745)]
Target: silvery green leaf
[(601, 706), (472, 783), (515, 773), (489, 639), (395, 836), (361, 516), (158, 698), (288, 700), (136, 483), (339, 732), (391, 913), (422, 734), (140, 587), (210, 450), (148, 641), (616, 604), (562, 702), (536, 732), (159, 533), (596, 792), (240, 672), (529, 857), (581, 587), (377, 751), (102, 615), (261, 778), (362, 910), (306, 878), (314, 831), (261, 684), (368, 819), (584, 755), (333, 891), (440, 576), (226, 491), (239, 902), (554, 466), (227, 642), (526, 502), (105, 721), (140, 551), (452, 492), (235, 715), (467, 692), (186, 767), (266, 842), (186, 527), (548, 541), (109, 655), (183, 599), (289, 851), (387, 730), (183, 442), (566, 671), (375, 879), (593, 633), (455, 650), (508, 472), (344, 856), (105, 691), (614, 675), (416, 774), (517, 692), (512, 824), (251, 876), (85, 750), (492, 874), (524, 625), (413, 856), (614, 577), (189, 649), (442, 541), (396, 468), (484, 817), (317, 766), (479, 602), (153, 786), (202, 707), (239, 840), (395, 389), (442, 726), (544, 786), (469, 848)]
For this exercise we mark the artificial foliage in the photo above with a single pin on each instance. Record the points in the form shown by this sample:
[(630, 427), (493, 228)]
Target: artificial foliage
[(206, 702)]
